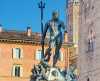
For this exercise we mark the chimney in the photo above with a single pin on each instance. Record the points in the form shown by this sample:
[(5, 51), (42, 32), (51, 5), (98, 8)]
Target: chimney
[(1, 29), (65, 37), (29, 31)]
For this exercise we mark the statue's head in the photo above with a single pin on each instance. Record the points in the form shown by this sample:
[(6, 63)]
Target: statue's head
[(55, 15)]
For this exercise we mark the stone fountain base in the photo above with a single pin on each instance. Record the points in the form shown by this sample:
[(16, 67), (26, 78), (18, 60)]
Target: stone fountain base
[(44, 72)]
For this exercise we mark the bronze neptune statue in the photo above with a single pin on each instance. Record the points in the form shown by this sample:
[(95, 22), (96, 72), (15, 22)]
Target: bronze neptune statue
[(54, 26)]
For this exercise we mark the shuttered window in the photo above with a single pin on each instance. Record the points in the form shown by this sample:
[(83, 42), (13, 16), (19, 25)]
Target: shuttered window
[(39, 55), (17, 53), (17, 71)]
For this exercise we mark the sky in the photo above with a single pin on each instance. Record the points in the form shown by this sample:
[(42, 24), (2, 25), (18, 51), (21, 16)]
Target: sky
[(18, 14)]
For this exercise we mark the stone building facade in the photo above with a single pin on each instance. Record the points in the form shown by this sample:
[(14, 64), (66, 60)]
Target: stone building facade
[(89, 40)]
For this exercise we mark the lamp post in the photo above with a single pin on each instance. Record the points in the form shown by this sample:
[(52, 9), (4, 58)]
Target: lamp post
[(41, 5)]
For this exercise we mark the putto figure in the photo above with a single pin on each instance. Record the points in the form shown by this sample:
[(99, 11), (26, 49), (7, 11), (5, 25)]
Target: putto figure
[(55, 27)]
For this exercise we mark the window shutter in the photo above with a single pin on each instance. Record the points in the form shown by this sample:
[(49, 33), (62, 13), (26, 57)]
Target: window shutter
[(14, 53), (21, 53), (21, 71), (13, 71), (37, 55), (61, 56)]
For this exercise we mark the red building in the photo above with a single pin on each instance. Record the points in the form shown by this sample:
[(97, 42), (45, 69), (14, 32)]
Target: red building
[(20, 51)]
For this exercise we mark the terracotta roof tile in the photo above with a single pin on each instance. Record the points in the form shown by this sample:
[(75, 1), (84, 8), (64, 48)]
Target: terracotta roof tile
[(15, 35)]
